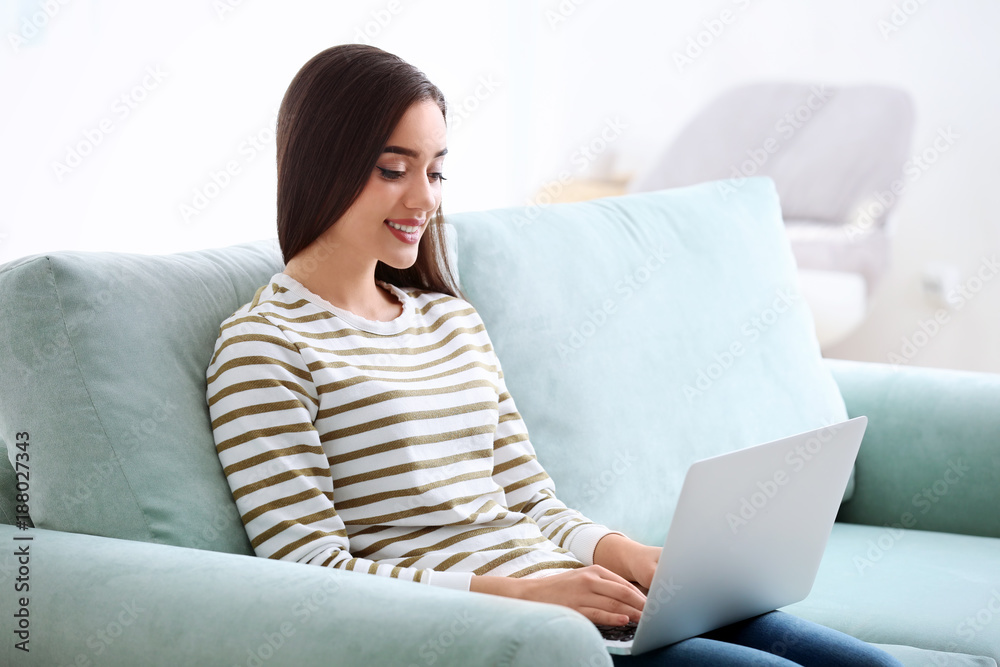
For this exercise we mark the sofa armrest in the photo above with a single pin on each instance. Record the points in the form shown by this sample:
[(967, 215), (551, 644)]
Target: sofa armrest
[(103, 601), (930, 458)]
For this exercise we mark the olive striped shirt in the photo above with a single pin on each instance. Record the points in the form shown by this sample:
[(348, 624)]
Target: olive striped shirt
[(388, 447)]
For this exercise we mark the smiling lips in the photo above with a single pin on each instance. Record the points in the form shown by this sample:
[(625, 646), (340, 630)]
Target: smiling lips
[(406, 230), (406, 225)]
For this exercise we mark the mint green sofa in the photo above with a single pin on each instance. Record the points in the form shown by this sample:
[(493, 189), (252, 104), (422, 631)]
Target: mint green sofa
[(637, 334)]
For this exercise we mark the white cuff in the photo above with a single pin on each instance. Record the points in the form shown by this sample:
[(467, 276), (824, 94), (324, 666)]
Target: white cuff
[(461, 581), (585, 540)]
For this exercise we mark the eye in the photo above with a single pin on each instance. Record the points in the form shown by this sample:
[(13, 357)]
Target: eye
[(390, 174), (437, 176)]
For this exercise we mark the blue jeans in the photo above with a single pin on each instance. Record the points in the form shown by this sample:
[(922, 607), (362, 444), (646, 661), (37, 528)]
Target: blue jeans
[(774, 639)]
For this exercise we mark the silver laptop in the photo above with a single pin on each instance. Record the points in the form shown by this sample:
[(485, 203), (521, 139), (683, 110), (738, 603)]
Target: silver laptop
[(748, 534)]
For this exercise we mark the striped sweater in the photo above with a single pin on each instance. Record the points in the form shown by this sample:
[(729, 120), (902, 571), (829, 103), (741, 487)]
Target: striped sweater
[(391, 448)]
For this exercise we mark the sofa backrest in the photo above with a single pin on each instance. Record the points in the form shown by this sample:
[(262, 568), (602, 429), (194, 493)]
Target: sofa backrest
[(636, 334)]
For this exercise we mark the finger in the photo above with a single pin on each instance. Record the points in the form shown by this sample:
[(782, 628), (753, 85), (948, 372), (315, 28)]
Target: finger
[(625, 593), (603, 617), (611, 597), (621, 589), (605, 573)]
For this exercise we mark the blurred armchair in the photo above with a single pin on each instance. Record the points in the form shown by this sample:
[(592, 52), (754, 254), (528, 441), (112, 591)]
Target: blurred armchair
[(836, 155)]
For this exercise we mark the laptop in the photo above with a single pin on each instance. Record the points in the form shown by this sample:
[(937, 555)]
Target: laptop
[(747, 535)]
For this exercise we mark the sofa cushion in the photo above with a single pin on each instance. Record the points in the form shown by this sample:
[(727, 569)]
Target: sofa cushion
[(641, 333), (921, 657), (938, 591), (98, 602), (104, 357)]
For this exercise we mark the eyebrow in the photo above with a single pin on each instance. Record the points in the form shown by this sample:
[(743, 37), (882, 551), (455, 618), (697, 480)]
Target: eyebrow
[(409, 152)]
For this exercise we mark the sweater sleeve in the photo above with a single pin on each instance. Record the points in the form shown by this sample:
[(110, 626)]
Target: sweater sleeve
[(530, 490), (263, 405)]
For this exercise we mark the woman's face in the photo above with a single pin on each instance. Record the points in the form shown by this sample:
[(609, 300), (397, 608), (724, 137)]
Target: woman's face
[(404, 189)]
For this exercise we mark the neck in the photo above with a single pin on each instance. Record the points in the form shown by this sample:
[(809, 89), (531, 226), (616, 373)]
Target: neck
[(355, 291)]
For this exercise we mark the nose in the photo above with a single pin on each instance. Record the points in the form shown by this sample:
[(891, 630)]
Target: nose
[(423, 195)]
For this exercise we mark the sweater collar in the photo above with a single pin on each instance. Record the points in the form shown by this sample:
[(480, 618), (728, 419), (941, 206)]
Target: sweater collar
[(401, 323)]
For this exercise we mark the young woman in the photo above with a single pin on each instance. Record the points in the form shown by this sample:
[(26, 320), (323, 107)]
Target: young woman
[(359, 409)]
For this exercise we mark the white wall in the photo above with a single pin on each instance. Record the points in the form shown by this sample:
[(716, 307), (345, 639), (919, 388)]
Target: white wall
[(531, 82)]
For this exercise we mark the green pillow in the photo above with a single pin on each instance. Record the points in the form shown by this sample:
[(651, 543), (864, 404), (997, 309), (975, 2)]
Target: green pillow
[(103, 357), (641, 333)]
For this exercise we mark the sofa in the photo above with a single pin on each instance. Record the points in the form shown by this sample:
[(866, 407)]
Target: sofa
[(637, 334)]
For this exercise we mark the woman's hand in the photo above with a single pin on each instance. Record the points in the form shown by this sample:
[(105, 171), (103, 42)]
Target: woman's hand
[(599, 594), (603, 592), (633, 561), (596, 592)]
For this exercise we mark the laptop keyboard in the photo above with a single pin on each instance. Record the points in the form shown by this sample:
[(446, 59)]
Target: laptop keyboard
[(618, 633)]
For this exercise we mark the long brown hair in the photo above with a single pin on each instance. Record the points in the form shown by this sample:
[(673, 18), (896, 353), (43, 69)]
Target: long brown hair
[(334, 121)]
